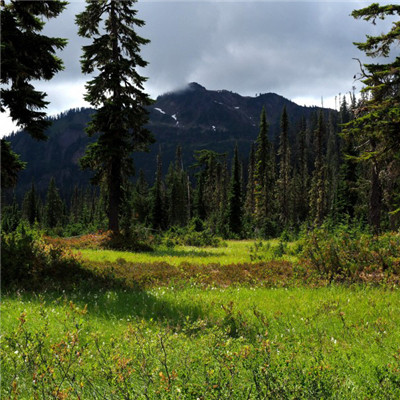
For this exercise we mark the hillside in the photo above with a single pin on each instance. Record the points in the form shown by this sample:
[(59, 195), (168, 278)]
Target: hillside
[(195, 118)]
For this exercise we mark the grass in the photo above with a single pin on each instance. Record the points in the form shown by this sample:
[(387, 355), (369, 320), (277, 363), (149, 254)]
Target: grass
[(210, 323), (235, 251), (332, 342)]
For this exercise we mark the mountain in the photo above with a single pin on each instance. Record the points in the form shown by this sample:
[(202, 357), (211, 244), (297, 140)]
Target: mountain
[(195, 118)]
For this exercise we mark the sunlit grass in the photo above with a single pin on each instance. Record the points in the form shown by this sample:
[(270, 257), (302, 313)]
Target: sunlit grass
[(350, 335), (234, 252)]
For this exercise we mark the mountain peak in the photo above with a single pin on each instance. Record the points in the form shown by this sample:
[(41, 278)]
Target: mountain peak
[(196, 86)]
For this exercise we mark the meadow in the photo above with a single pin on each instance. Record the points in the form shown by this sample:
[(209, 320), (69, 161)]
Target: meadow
[(282, 334)]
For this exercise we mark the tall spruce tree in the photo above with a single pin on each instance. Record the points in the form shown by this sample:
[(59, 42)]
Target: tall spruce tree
[(235, 197), (30, 206), (317, 192), (26, 55), (250, 188), (117, 91), (284, 170), (264, 178), (158, 216), (376, 126), (53, 211)]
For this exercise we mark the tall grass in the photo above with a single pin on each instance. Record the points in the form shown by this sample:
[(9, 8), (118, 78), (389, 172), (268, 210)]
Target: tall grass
[(190, 343)]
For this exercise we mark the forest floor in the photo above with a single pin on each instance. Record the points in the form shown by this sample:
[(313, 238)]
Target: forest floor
[(240, 321)]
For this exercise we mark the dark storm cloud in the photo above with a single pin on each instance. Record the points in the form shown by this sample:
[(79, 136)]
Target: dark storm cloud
[(300, 49)]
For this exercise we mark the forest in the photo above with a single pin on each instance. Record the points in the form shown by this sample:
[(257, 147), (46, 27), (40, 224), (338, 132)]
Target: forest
[(272, 274)]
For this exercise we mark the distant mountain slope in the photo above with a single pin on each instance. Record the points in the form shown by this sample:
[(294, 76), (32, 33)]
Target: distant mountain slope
[(195, 118)]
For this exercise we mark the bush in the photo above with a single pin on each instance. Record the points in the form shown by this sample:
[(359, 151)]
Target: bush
[(28, 262), (348, 254), (191, 236)]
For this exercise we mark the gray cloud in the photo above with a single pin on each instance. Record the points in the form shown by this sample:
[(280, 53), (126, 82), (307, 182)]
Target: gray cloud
[(300, 49)]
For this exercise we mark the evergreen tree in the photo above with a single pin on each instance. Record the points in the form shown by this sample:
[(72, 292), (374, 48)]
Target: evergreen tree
[(177, 196), (30, 206), (250, 188), (157, 212), (235, 197), (376, 125), (284, 170), (141, 199), (301, 176), (317, 193), (332, 170), (54, 206), (264, 179), (26, 55), (11, 165), (118, 92)]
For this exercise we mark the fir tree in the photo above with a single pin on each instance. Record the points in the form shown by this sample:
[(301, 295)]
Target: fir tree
[(317, 193), (157, 212), (30, 206), (376, 125), (141, 199), (284, 170), (264, 178), (250, 188), (54, 206), (26, 55), (118, 92), (235, 197)]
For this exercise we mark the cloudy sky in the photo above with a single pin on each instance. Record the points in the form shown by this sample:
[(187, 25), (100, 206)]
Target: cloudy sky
[(302, 50)]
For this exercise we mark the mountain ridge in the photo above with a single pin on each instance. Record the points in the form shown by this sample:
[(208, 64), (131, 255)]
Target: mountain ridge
[(194, 118)]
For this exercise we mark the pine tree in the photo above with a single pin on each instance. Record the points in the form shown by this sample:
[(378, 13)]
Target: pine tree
[(177, 195), (235, 197), (54, 206), (264, 179), (141, 199), (284, 171), (30, 206), (26, 55), (157, 212), (118, 92), (317, 192), (376, 125), (250, 188)]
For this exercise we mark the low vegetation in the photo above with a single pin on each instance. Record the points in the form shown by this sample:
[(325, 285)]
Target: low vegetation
[(252, 320)]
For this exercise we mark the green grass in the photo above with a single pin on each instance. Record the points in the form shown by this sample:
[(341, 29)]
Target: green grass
[(234, 252), (332, 342)]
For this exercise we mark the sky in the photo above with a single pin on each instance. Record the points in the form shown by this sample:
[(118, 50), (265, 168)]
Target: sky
[(302, 50)]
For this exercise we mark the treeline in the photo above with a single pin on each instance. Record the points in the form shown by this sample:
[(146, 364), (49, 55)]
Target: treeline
[(312, 176)]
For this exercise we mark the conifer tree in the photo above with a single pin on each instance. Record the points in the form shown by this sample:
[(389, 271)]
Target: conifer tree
[(235, 197), (376, 125), (54, 206), (157, 212), (332, 169), (250, 188), (118, 93), (177, 199), (141, 199), (30, 206), (264, 178), (317, 193), (26, 55), (301, 186), (284, 170)]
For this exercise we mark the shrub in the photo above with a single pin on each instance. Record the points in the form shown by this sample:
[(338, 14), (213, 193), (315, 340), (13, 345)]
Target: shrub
[(28, 262), (191, 236), (351, 255)]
